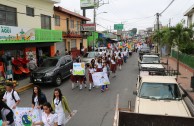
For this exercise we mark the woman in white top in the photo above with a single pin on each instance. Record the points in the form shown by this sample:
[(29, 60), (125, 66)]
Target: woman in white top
[(48, 118), (99, 65), (38, 99), (91, 70), (60, 105), (105, 70), (119, 61), (113, 66)]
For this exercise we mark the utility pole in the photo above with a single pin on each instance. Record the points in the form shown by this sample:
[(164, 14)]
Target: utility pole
[(158, 29), (169, 23), (94, 23)]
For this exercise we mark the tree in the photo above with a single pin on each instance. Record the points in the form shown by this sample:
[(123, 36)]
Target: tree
[(134, 31)]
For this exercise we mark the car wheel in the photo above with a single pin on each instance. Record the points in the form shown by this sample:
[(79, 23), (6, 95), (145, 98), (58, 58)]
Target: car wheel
[(58, 80)]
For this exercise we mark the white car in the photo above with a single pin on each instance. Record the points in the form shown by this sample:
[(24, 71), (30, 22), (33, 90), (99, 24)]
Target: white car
[(88, 57), (160, 95)]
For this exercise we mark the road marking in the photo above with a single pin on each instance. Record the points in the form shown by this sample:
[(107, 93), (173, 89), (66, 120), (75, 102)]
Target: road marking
[(69, 117)]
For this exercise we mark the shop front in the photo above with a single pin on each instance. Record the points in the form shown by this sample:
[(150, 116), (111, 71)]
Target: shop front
[(19, 46)]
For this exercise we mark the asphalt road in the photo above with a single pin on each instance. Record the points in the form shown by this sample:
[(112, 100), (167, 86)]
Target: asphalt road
[(93, 107)]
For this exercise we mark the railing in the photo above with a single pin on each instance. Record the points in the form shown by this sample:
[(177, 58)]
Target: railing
[(184, 58)]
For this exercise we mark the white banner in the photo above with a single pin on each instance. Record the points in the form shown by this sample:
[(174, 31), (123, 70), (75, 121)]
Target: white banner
[(100, 78), (25, 116)]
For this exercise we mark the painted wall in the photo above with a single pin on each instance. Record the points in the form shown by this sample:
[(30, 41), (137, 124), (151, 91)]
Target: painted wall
[(40, 7), (63, 22)]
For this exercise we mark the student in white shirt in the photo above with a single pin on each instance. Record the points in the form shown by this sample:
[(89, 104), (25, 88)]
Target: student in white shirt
[(91, 70), (105, 70), (60, 106), (11, 97), (113, 66), (48, 118), (119, 61)]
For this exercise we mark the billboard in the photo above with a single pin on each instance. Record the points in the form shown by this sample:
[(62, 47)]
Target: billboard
[(88, 4), (118, 26), (88, 27)]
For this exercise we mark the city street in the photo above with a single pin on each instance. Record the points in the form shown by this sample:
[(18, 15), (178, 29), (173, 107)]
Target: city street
[(93, 107)]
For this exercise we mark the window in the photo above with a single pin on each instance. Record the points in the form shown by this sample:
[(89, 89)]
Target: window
[(72, 23), (30, 11), (8, 15), (57, 20), (78, 28), (73, 43), (67, 24), (45, 21)]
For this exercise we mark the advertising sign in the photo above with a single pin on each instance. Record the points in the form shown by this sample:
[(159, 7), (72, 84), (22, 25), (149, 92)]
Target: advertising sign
[(16, 33), (100, 78), (88, 4), (88, 27), (78, 68), (26, 116), (118, 26)]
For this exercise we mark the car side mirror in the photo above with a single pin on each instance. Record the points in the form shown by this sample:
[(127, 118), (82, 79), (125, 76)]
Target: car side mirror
[(134, 92), (184, 95)]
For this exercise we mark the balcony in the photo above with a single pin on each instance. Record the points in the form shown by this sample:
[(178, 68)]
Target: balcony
[(72, 34), (53, 1)]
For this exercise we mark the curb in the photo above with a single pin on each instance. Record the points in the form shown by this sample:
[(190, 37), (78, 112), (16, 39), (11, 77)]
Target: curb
[(24, 88)]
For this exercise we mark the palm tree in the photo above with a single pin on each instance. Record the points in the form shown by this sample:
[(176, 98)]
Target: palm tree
[(180, 35)]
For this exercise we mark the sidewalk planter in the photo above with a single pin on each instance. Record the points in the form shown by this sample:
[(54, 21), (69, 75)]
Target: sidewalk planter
[(184, 58)]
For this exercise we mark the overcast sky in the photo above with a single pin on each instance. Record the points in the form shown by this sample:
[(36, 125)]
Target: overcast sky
[(138, 14)]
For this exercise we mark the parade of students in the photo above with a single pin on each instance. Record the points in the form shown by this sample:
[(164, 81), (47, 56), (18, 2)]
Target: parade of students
[(11, 97), (49, 118), (60, 106), (6, 115), (38, 99)]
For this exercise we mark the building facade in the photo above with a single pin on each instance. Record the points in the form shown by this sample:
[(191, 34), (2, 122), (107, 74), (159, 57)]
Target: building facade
[(190, 16), (27, 30), (70, 23)]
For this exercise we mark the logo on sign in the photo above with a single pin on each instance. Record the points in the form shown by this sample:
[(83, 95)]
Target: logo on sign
[(5, 29)]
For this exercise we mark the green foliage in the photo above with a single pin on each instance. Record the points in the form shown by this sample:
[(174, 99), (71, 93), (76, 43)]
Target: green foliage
[(176, 36)]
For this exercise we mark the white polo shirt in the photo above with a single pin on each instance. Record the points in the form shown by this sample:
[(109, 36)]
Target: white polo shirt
[(49, 120), (9, 99)]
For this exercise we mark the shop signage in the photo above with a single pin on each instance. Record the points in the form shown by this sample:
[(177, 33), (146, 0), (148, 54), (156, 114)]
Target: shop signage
[(118, 26), (88, 27), (88, 4), (16, 33)]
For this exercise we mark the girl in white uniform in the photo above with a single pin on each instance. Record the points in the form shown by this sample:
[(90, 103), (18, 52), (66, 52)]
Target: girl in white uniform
[(60, 105), (38, 99), (48, 118)]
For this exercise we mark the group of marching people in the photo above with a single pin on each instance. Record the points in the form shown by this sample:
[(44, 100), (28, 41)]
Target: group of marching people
[(50, 113), (106, 61)]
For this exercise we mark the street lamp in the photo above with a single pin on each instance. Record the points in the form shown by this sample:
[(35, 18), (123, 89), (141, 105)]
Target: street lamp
[(101, 13)]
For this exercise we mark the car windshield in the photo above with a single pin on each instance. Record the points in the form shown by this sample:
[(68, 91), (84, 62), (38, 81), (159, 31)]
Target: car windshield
[(161, 91), (150, 60), (145, 49), (89, 55), (49, 63)]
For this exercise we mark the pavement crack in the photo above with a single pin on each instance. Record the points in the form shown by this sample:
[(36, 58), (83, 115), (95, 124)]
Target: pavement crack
[(105, 116)]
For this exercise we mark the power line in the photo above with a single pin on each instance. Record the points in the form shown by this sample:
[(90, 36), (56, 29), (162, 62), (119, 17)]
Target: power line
[(167, 7)]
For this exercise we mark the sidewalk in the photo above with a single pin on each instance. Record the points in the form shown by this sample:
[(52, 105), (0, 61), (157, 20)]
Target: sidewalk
[(185, 78), (24, 84)]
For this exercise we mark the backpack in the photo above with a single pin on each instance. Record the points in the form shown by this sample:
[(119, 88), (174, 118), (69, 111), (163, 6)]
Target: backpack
[(12, 95)]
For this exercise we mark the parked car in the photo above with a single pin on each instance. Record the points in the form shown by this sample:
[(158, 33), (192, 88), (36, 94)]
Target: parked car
[(53, 70), (88, 57), (160, 95)]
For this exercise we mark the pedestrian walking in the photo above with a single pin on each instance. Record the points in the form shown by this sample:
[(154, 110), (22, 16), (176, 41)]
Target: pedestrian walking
[(91, 70), (6, 115), (125, 56), (73, 79), (99, 65), (105, 70), (38, 99), (11, 97), (113, 66), (119, 61), (82, 50), (60, 106), (49, 118), (57, 53)]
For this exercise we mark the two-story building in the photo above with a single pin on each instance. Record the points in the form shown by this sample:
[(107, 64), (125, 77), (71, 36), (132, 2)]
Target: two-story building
[(70, 22), (28, 26), (190, 15)]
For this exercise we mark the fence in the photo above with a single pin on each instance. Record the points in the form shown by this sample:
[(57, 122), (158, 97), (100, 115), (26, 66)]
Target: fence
[(184, 58)]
